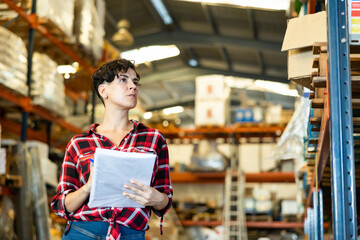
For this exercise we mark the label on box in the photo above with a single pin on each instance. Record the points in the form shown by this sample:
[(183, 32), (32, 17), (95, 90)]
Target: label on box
[(355, 17), (354, 21)]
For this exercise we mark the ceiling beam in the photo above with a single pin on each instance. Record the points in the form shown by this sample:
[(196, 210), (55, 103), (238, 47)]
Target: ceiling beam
[(260, 60), (225, 55), (189, 39), (111, 19), (188, 100), (210, 18), (172, 74), (174, 95), (287, 102), (146, 100), (153, 12), (252, 25)]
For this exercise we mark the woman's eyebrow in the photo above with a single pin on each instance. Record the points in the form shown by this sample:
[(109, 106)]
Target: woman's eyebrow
[(124, 75)]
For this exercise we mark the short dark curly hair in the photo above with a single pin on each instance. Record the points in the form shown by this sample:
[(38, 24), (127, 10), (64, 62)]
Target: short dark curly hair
[(108, 71)]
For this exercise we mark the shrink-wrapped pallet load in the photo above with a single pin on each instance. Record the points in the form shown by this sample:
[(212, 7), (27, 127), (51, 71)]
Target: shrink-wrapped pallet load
[(13, 62)]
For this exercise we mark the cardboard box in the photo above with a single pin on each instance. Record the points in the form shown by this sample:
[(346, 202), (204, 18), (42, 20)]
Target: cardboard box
[(301, 34), (289, 207), (211, 87), (273, 114), (354, 22), (212, 112)]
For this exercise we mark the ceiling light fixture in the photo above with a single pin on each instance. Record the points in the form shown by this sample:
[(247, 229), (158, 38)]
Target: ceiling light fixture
[(62, 69), (148, 115), (263, 4), (150, 53), (173, 110), (280, 88), (162, 11), (123, 37), (193, 62)]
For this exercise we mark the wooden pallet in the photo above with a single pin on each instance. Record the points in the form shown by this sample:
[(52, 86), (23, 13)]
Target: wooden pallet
[(9, 180)]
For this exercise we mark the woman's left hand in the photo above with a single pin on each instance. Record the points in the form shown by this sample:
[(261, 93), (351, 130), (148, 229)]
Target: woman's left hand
[(146, 196)]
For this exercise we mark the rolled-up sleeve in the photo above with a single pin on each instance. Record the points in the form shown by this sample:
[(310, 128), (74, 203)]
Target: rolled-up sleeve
[(68, 182), (162, 181)]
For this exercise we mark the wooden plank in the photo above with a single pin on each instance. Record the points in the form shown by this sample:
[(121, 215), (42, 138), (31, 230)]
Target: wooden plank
[(305, 81), (317, 103)]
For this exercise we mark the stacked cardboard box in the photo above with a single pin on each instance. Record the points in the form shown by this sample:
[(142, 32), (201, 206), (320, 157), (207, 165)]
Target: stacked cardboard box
[(47, 87), (211, 101), (60, 13), (13, 63), (88, 28), (301, 34)]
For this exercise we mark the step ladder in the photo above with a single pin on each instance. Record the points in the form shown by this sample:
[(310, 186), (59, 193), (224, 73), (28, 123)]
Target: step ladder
[(234, 215)]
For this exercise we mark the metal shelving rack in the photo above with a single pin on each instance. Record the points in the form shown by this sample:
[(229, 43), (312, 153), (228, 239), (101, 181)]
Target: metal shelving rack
[(24, 102), (341, 126), (343, 186)]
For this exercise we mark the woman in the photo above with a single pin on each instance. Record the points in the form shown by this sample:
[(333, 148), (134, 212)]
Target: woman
[(116, 84)]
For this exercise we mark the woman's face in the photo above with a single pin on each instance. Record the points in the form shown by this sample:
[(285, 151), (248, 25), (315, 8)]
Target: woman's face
[(123, 90)]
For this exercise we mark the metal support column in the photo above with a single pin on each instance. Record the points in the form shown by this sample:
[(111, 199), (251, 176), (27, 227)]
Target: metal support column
[(321, 214), (341, 127), (29, 72), (318, 215)]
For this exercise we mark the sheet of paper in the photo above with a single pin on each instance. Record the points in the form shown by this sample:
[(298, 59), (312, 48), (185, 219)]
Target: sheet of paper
[(112, 169)]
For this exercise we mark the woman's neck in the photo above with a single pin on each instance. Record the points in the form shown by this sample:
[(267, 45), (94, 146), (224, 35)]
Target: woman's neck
[(116, 121)]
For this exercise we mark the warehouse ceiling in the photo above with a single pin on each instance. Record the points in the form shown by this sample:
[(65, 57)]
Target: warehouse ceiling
[(222, 39)]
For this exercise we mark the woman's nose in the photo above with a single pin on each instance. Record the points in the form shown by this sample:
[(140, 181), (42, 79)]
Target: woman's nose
[(132, 85)]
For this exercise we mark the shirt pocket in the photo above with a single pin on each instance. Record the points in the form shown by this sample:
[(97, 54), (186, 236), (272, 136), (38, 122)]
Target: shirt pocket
[(142, 150), (84, 162)]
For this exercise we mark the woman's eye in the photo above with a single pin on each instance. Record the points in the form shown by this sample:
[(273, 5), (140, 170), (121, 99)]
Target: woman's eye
[(123, 80), (136, 83)]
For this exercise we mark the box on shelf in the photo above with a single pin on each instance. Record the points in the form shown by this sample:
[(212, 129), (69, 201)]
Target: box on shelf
[(13, 67), (249, 205), (263, 206), (354, 21), (61, 13), (289, 207), (88, 28), (301, 34), (49, 169), (212, 112), (286, 116), (211, 87), (261, 194), (273, 114), (47, 88), (249, 115)]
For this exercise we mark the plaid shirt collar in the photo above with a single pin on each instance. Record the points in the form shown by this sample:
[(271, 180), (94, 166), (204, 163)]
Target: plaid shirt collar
[(137, 126)]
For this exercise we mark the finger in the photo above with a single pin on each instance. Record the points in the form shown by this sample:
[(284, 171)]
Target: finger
[(139, 184), (134, 189), (134, 197)]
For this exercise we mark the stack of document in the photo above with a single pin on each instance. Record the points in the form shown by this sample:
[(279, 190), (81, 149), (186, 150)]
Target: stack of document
[(112, 169)]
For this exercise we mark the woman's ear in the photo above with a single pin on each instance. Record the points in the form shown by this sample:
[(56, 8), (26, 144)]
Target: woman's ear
[(103, 91)]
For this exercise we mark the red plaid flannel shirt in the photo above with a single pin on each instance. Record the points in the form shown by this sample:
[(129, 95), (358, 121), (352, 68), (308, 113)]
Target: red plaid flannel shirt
[(76, 170)]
